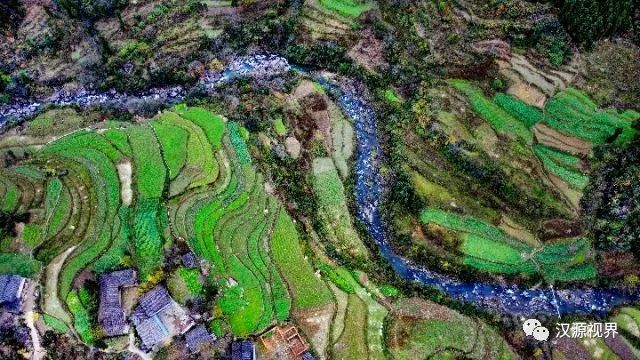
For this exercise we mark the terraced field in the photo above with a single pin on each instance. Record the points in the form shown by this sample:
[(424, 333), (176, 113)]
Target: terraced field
[(358, 326), (564, 131), (103, 199), (333, 210), (545, 154), (624, 345), (331, 19), (488, 248), (421, 329)]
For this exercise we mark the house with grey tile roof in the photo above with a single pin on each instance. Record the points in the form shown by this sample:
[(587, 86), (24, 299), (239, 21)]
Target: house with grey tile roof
[(158, 317), (11, 287), (150, 304), (243, 350), (189, 260), (111, 315), (152, 331), (198, 335), (307, 356)]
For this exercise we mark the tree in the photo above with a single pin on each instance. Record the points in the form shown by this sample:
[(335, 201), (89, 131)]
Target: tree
[(10, 13), (611, 203), (590, 20), (91, 9)]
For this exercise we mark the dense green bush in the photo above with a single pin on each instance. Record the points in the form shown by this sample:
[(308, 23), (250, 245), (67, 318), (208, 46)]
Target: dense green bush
[(590, 20), (91, 9), (10, 13), (611, 204)]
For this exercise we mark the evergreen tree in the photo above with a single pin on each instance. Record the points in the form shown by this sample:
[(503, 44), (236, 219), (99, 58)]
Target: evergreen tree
[(590, 20)]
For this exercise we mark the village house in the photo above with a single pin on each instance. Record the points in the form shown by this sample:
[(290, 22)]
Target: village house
[(111, 316), (158, 317), (307, 356), (198, 335), (243, 350), (11, 287)]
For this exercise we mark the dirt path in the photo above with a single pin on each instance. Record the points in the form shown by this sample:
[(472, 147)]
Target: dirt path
[(29, 317), (52, 305), (124, 173)]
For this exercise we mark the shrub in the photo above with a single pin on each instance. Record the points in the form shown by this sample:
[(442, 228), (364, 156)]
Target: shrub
[(91, 9), (32, 235), (343, 284), (589, 20), (81, 317), (611, 202), (15, 263)]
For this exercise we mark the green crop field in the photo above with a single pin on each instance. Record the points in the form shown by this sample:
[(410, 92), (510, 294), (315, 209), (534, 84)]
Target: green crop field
[(352, 344), (174, 141), (330, 195), (564, 165), (55, 323), (120, 246), (81, 317), (239, 145), (306, 289), (524, 112), (349, 8), (573, 113), (119, 139), (499, 119), (147, 236), (212, 124), (487, 248), (148, 163), (221, 209)]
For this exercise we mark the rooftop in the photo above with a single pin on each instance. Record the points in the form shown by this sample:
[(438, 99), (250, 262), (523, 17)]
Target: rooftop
[(151, 303), (110, 313), (10, 291), (243, 350), (198, 335), (151, 332)]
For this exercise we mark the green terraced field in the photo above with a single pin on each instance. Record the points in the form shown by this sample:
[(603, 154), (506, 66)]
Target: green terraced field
[(487, 248), (148, 162), (330, 195), (524, 112), (499, 119), (306, 289), (173, 140), (349, 8), (573, 113), (81, 318), (217, 203)]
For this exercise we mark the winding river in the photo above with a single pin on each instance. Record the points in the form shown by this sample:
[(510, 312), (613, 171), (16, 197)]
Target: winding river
[(500, 299)]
